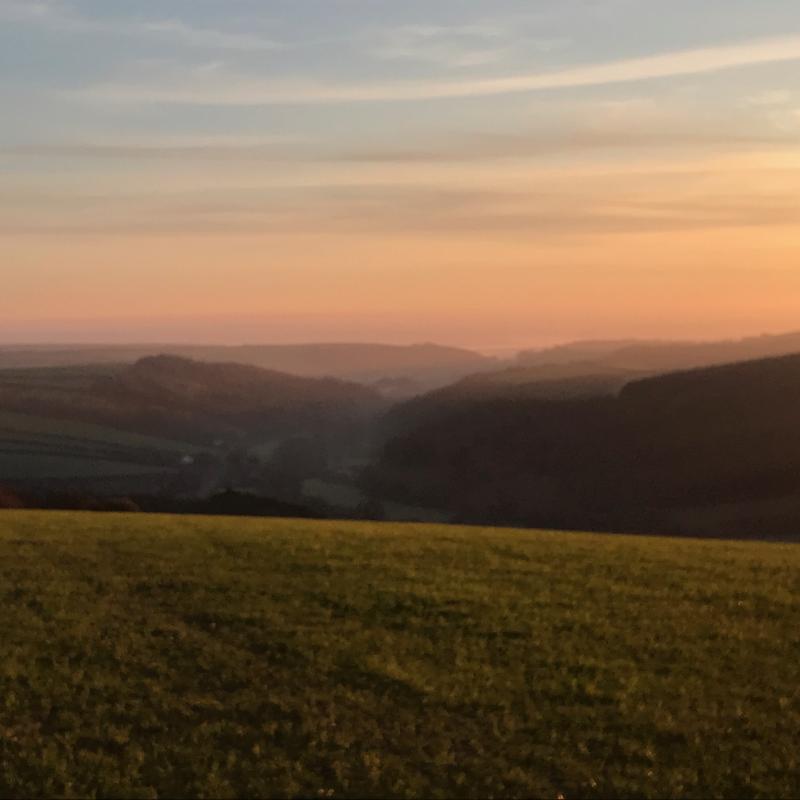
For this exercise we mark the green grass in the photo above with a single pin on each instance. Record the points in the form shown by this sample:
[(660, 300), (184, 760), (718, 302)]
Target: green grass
[(155, 656)]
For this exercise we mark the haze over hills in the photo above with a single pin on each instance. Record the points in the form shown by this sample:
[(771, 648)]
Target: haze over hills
[(585, 369), (401, 371), (397, 370), (662, 356), (601, 435)]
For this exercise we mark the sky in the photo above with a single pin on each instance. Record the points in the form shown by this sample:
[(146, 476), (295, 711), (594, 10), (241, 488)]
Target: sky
[(487, 174)]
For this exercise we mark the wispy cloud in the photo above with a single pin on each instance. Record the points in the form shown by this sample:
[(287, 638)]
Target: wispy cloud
[(770, 98), (458, 46), (698, 202), (205, 37), (238, 90), (22, 10), (570, 138), (59, 18), (538, 144), (450, 47), (189, 147)]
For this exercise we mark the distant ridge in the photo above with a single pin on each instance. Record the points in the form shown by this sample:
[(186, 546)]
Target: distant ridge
[(663, 356), (414, 368)]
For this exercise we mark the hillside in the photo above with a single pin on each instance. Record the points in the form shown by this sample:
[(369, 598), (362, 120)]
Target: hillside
[(176, 427), (403, 370), (712, 451), (654, 357), (552, 382), (159, 657), (186, 399)]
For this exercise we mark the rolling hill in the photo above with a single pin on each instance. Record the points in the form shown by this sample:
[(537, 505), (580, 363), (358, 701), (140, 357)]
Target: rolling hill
[(397, 370), (172, 426), (712, 451), (551, 382), (153, 656), (657, 357), (188, 400)]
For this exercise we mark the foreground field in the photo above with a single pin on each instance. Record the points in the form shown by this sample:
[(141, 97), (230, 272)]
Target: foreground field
[(165, 657)]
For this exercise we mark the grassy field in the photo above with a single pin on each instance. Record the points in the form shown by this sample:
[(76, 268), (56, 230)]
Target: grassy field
[(45, 430), (34, 448), (154, 656)]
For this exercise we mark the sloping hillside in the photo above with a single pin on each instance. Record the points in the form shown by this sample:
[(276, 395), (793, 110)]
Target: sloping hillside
[(187, 399), (176, 428), (147, 656), (662, 455), (552, 382)]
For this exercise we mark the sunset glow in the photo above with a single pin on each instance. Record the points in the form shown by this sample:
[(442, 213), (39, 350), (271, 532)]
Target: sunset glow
[(491, 176)]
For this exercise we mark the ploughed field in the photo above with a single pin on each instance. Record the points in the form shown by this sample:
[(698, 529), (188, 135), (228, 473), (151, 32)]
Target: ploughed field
[(152, 656)]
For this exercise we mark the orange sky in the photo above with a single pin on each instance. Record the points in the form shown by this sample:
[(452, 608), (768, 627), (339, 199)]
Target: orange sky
[(491, 184)]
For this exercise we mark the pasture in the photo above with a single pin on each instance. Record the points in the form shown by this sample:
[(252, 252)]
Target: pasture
[(36, 448), (152, 656)]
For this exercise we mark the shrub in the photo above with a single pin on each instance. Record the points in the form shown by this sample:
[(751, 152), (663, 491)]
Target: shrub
[(9, 499)]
